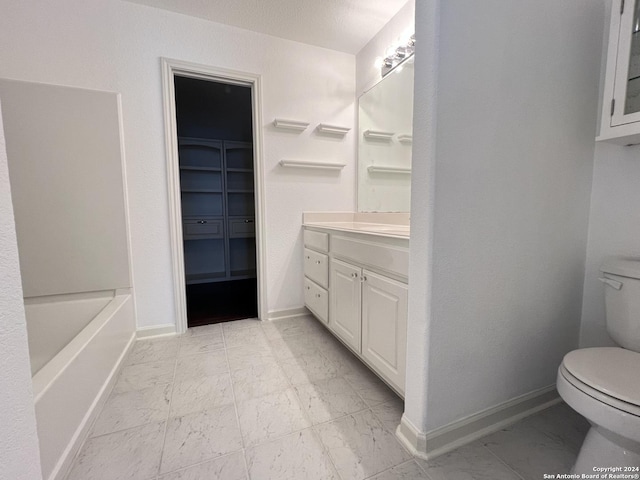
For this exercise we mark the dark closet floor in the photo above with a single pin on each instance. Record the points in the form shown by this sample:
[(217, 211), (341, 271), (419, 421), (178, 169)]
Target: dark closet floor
[(218, 302)]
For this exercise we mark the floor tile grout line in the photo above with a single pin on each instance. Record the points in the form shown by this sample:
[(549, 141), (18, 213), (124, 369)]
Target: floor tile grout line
[(235, 404), (371, 477), (311, 426), (395, 438), (171, 401), (166, 422), (501, 460), (181, 469), (95, 420), (422, 469)]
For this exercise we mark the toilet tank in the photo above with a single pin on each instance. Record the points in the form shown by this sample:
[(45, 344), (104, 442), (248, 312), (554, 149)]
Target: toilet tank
[(622, 300)]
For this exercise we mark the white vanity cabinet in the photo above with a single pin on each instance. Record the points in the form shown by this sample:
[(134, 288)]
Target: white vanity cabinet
[(346, 301), (620, 122), (367, 295), (316, 274), (384, 326)]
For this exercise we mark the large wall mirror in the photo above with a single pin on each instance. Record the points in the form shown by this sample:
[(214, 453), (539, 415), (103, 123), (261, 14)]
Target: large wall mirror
[(385, 125)]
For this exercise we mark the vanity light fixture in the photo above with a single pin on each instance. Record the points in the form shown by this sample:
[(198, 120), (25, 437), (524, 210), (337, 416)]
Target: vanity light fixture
[(397, 56)]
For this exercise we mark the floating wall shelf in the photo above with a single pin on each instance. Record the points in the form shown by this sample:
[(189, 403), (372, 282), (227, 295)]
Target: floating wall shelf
[(306, 164), (290, 124), (405, 138), (377, 135), (388, 169), (333, 129)]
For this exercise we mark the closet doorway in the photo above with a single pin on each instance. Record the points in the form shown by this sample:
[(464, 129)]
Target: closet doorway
[(215, 198)]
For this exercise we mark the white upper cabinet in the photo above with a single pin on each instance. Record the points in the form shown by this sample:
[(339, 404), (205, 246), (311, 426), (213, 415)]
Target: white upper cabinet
[(621, 103)]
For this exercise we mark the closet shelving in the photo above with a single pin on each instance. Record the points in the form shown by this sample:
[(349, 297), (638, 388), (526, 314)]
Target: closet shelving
[(218, 209)]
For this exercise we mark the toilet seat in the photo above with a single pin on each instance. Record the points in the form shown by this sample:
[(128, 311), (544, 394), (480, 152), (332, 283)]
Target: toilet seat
[(608, 374)]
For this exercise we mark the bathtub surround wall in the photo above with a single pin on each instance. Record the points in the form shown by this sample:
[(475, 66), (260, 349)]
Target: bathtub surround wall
[(66, 168), (65, 164), (513, 160), (117, 46), (19, 452)]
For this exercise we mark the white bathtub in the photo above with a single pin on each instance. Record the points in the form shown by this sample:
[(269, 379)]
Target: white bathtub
[(78, 347)]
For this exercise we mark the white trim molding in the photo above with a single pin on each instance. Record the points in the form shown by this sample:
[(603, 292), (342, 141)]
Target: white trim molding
[(288, 313), (466, 430), (156, 331), (170, 68)]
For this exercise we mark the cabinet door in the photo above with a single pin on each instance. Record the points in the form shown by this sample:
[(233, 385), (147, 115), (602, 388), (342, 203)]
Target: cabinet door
[(627, 78), (384, 326), (344, 315)]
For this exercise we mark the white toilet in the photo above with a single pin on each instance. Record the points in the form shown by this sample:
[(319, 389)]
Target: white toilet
[(603, 384)]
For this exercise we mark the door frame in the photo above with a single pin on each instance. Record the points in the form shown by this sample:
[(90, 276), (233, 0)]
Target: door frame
[(170, 68)]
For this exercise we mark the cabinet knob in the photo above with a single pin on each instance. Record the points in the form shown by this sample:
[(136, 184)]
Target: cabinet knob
[(308, 288), (318, 295), (248, 221), (363, 278), (318, 262), (354, 275), (202, 222), (308, 257)]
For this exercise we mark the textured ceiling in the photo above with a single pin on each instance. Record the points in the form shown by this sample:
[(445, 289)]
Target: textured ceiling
[(344, 25)]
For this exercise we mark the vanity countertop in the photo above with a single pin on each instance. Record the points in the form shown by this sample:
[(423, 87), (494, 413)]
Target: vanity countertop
[(383, 224)]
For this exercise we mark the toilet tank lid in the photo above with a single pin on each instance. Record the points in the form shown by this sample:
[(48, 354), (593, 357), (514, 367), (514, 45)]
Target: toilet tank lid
[(623, 266)]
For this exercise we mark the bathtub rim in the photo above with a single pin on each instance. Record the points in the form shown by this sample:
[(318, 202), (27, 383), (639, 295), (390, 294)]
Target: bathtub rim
[(52, 370)]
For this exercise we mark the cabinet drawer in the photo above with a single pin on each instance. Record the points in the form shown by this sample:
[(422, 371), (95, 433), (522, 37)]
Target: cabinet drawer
[(242, 227), (202, 227), (316, 240), (388, 258), (316, 267), (316, 299)]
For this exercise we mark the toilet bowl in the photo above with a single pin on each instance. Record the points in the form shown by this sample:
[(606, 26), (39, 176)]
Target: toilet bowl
[(603, 384)]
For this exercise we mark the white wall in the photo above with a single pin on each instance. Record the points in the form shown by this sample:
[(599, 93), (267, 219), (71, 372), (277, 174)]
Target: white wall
[(367, 74), (516, 118), (19, 453), (114, 45), (614, 229), (614, 221)]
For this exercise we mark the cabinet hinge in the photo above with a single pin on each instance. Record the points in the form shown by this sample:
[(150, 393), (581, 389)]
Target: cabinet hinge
[(613, 106), (621, 7)]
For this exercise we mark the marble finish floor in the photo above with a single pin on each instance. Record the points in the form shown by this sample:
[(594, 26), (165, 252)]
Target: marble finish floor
[(285, 400)]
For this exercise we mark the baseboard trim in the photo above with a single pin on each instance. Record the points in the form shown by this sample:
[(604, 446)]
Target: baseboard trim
[(156, 331), (66, 461), (445, 439), (288, 313)]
